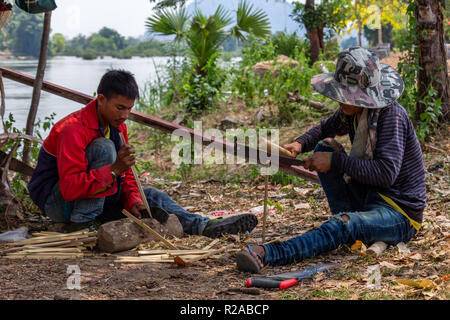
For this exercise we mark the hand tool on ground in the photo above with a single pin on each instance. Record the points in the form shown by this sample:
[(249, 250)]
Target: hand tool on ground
[(288, 279)]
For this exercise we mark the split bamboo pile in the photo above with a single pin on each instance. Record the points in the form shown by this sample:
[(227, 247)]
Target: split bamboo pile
[(53, 245), (181, 257)]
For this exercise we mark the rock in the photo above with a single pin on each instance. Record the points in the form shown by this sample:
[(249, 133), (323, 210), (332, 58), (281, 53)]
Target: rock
[(230, 122), (122, 235), (262, 67)]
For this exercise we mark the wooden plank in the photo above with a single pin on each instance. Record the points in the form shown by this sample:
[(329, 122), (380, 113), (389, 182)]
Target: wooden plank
[(16, 165)]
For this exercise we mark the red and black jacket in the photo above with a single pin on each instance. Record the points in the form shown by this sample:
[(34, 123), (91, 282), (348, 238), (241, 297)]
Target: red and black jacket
[(62, 158)]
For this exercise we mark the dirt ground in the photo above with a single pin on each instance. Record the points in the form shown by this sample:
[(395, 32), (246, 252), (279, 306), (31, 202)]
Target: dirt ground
[(304, 207)]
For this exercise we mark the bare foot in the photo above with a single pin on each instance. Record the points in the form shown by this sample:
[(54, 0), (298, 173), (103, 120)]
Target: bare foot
[(255, 251)]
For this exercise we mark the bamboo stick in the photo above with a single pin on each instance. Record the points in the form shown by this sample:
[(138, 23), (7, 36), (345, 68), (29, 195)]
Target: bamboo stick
[(45, 239), (172, 252), (138, 181), (52, 256), (148, 229), (209, 246), (48, 250)]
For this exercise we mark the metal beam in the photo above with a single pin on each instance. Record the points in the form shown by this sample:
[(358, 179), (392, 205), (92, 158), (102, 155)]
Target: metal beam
[(145, 119)]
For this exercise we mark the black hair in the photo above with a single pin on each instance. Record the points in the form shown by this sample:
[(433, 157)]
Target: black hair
[(118, 82)]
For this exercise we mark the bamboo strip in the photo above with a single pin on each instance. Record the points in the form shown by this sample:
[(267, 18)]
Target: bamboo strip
[(52, 238), (137, 260), (68, 256), (47, 250), (172, 252), (148, 229), (209, 246), (138, 181)]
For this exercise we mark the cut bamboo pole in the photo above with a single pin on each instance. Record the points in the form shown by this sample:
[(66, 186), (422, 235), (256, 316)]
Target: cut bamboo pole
[(52, 238), (138, 181), (51, 256), (172, 252), (148, 229)]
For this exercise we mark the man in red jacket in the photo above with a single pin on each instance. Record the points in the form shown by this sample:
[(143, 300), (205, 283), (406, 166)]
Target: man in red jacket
[(83, 176)]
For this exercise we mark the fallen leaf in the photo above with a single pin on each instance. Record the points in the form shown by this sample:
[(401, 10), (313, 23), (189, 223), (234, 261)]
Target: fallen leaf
[(303, 191), (422, 284), (416, 256), (301, 206), (359, 247), (403, 249), (388, 265)]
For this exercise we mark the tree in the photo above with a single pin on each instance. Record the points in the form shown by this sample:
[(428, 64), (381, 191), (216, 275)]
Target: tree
[(433, 73), (22, 33), (58, 43), (319, 19), (205, 35), (375, 14)]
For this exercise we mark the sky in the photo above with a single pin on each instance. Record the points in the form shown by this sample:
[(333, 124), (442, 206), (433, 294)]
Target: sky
[(73, 17)]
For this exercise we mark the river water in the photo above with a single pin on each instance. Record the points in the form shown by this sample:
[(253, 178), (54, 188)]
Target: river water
[(70, 72)]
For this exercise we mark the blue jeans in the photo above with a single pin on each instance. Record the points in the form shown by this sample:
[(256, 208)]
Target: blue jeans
[(358, 213), (99, 153)]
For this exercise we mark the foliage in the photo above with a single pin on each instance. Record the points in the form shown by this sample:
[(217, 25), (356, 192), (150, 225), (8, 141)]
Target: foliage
[(58, 43), (108, 42), (204, 37), (22, 33), (19, 186), (286, 44), (332, 16), (270, 90), (427, 122)]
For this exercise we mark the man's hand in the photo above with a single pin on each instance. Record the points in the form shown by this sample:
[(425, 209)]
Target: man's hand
[(136, 208), (319, 161), (295, 148), (124, 161)]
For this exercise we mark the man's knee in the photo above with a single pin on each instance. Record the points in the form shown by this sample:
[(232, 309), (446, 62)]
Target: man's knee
[(101, 148)]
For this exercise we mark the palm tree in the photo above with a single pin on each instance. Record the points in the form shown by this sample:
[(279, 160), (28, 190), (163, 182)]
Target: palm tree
[(205, 35)]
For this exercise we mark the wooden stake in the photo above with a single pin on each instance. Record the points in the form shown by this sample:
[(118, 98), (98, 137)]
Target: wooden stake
[(138, 182), (148, 229)]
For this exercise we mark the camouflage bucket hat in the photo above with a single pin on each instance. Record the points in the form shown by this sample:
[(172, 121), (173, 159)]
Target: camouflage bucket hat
[(360, 80)]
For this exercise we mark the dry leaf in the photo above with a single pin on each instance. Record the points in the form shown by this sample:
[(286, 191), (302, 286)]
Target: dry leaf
[(416, 256), (301, 206), (422, 284), (388, 265), (303, 191), (403, 249), (359, 247)]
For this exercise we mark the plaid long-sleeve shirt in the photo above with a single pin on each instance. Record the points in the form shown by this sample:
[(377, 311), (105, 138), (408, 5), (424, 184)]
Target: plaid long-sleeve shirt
[(396, 170)]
